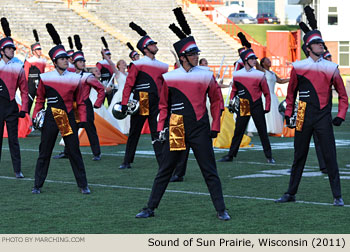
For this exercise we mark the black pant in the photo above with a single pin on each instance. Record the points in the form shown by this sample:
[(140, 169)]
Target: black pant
[(48, 139), (90, 129), (318, 122), (258, 115), (181, 166), (320, 158), (109, 96), (198, 138), (136, 124), (9, 114)]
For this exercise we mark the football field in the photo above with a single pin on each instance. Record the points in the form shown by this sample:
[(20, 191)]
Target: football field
[(249, 184)]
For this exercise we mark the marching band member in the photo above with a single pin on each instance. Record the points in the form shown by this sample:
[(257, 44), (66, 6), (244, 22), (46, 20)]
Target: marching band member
[(145, 80), (183, 110), (313, 78), (12, 76), (106, 72), (33, 67), (249, 84), (70, 52), (88, 81), (61, 88)]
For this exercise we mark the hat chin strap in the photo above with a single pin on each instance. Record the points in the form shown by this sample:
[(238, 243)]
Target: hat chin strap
[(248, 64), (316, 54), (188, 61)]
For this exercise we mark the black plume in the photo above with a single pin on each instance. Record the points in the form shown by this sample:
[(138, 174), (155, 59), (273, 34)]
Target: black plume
[(130, 46), (53, 33), (77, 42), (70, 42), (181, 19), (6, 27), (177, 31), (244, 40), (309, 12), (35, 33), (104, 42), (138, 29), (304, 27)]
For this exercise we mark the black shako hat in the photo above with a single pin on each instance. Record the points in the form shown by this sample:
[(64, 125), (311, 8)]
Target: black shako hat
[(133, 53), (245, 52), (78, 55), (311, 36), (36, 45), (186, 44), (145, 40), (57, 51), (7, 41)]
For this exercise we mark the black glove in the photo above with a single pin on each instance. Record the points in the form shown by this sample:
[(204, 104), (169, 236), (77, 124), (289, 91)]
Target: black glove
[(337, 121), (21, 114), (124, 108), (213, 134), (288, 122), (96, 107), (266, 111)]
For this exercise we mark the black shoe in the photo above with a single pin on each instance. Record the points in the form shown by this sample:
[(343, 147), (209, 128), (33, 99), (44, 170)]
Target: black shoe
[(145, 213), (85, 190), (226, 158), (96, 158), (61, 155), (271, 161), (125, 166), (19, 175), (35, 190), (338, 202), (324, 171), (223, 215), (176, 178), (286, 198)]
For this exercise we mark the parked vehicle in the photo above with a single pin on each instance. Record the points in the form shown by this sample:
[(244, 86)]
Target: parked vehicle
[(267, 19), (242, 18)]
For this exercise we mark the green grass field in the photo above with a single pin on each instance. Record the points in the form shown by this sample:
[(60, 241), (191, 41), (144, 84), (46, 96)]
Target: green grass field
[(117, 195)]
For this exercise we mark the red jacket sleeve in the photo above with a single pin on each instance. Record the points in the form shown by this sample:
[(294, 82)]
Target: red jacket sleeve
[(129, 84), (291, 94), (80, 103), (23, 87), (233, 90), (266, 92), (94, 83), (40, 98), (26, 68), (163, 106), (216, 100), (342, 96)]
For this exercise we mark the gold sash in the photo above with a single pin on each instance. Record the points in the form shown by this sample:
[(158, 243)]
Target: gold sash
[(62, 121), (144, 104), (244, 107), (300, 115), (176, 133), (76, 113)]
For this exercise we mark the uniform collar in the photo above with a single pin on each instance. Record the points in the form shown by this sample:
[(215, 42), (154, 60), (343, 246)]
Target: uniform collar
[(317, 61), (250, 70), (148, 58), (64, 73)]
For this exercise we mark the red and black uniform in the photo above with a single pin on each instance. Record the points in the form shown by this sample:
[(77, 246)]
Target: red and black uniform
[(12, 76), (249, 86), (60, 91), (184, 96), (33, 67), (88, 81), (106, 75), (145, 80), (238, 65), (314, 80)]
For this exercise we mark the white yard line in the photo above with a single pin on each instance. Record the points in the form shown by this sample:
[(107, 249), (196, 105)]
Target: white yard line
[(169, 191)]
